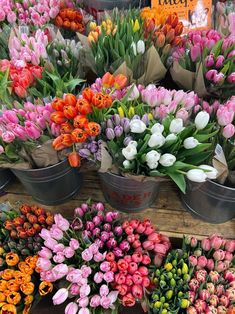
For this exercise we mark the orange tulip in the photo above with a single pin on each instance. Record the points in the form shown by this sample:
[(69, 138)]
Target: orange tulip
[(149, 25), (8, 225), (58, 21), (12, 259), (170, 36), (92, 128), (58, 104), (45, 287), (3, 285), (67, 140), (50, 220), (98, 100), (166, 28), (70, 100), (108, 80), (21, 277), (27, 288), (179, 29), (12, 285), (172, 20), (70, 112), (79, 136), (42, 218), (177, 41), (107, 101), (24, 209), (7, 274), (31, 261), (74, 159), (79, 121), (26, 309), (57, 145), (8, 309), (83, 106), (2, 297), (18, 221), (88, 93), (25, 268), (28, 299), (13, 297), (120, 81), (161, 39), (58, 117)]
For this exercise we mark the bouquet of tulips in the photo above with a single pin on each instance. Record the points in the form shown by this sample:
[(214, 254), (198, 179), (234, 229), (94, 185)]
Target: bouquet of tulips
[(99, 261), (26, 132), (132, 44), (197, 279), (225, 17), (70, 19), (205, 64)]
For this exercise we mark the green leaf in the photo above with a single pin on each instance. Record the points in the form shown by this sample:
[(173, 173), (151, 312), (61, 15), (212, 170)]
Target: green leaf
[(198, 159), (145, 145), (190, 152), (217, 48), (187, 132), (10, 152), (205, 137), (179, 179), (73, 83), (156, 173)]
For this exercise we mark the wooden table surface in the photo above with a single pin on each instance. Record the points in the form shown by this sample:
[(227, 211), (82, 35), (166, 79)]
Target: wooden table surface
[(167, 214)]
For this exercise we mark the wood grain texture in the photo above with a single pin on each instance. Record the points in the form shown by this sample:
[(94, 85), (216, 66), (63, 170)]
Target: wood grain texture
[(167, 213)]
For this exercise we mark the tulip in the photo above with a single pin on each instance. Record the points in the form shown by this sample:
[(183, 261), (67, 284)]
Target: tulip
[(216, 242), (161, 39), (118, 130), (228, 131), (156, 139), (120, 81), (137, 126), (196, 175), (108, 80), (193, 284), (191, 310), (210, 172), (201, 262), (167, 160), (60, 296), (231, 78), (209, 61), (140, 46), (219, 78), (219, 62), (152, 159), (201, 120), (230, 246), (157, 128), (214, 276), (210, 264), (171, 137), (71, 308), (129, 152), (211, 74), (195, 52), (204, 294), (190, 143), (193, 260), (224, 116), (176, 125)]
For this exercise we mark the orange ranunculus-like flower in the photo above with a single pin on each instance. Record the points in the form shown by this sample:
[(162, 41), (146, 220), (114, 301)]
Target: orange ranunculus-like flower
[(67, 140), (78, 135), (25, 268), (2, 297), (12, 259), (83, 106), (107, 101), (13, 297), (45, 287), (92, 128), (31, 261), (21, 277), (27, 288), (8, 274), (79, 121), (70, 99), (66, 128), (8, 309), (98, 100), (58, 104), (25, 208), (28, 299), (12, 285), (3, 285), (70, 112)]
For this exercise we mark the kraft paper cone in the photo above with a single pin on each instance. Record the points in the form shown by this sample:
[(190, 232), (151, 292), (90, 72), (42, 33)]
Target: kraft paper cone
[(199, 86), (141, 178), (84, 40), (106, 159), (18, 165), (183, 78), (123, 69), (220, 164)]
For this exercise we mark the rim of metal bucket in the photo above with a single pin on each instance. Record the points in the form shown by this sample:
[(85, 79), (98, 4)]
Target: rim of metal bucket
[(118, 175), (221, 185), (37, 169)]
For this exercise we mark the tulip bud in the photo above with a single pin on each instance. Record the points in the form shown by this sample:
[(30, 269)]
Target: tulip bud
[(210, 75), (201, 120), (160, 40), (210, 172), (228, 131), (196, 175), (110, 134), (140, 47), (209, 61), (190, 143)]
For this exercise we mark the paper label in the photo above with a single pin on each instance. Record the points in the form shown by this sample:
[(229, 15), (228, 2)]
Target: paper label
[(219, 154), (194, 14)]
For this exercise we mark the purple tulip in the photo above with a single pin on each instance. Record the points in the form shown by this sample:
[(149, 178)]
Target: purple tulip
[(118, 231), (125, 123), (136, 117), (111, 243), (117, 252), (145, 119), (116, 119), (84, 152), (93, 146), (109, 124), (124, 246), (104, 236), (127, 140), (110, 134), (118, 130), (107, 227)]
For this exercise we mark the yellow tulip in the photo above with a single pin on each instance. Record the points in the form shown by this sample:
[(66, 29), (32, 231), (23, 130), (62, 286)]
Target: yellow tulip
[(104, 25), (121, 112), (131, 112), (150, 116), (135, 25), (93, 26)]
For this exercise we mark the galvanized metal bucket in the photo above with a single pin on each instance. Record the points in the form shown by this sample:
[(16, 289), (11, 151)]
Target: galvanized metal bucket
[(5, 178), (51, 185), (210, 201), (128, 195)]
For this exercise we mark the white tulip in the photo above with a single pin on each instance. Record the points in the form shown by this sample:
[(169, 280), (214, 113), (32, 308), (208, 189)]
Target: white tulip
[(129, 152), (171, 137), (177, 125), (152, 165), (167, 160), (133, 46), (201, 120), (156, 139), (157, 128), (133, 143), (190, 142), (137, 126), (210, 172), (140, 47), (196, 175), (126, 164), (152, 156)]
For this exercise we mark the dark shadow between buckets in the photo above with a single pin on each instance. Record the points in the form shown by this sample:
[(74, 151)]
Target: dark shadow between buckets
[(128, 195), (210, 201), (52, 185), (5, 178)]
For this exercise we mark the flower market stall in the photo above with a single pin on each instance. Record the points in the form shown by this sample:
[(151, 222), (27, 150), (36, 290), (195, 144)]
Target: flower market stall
[(117, 157)]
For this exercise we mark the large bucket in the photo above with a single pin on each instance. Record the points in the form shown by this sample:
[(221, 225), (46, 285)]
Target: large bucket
[(210, 201), (96, 7), (51, 185), (5, 178), (126, 194)]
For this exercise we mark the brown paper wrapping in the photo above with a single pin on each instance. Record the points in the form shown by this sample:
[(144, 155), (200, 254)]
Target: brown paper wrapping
[(199, 86), (183, 78), (154, 68), (108, 166)]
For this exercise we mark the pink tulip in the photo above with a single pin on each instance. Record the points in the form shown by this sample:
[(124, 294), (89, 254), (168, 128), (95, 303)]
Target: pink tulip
[(60, 296), (219, 255), (210, 75), (71, 308), (68, 252), (148, 245), (87, 255), (146, 282), (219, 290), (95, 301), (210, 287), (61, 222), (191, 310), (219, 62), (210, 264), (214, 276), (209, 61), (8, 137), (219, 78), (85, 290), (137, 291), (59, 247), (210, 310), (230, 246), (32, 130), (59, 271), (214, 300), (194, 284), (224, 116), (195, 52), (221, 309), (228, 131), (201, 275), (10, 116), (193, 260), (204, 294), (83, 302), (160, 249), (105, 266), (231, 78), (98, 278), (224, 300), (229, 275), (74, 244), (104, 291), (19, 132), (59, 258), (201, 262), (200, 305), (158, 259), (109, 277), (44, 264)]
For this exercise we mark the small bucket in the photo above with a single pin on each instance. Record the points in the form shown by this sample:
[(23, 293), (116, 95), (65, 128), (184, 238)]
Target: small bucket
[(210, 201), (128, 195), (51, 185), (5, 178)]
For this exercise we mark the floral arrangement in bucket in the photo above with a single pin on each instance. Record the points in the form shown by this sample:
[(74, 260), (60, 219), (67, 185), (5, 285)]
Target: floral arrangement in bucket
[(225, 17), (131, 44), (98, 260)]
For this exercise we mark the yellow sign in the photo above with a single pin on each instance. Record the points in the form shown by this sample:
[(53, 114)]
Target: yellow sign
[(195, 14)]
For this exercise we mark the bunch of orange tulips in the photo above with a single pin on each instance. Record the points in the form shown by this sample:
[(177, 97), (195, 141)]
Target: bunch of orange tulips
[(18, 286), (70, 19)]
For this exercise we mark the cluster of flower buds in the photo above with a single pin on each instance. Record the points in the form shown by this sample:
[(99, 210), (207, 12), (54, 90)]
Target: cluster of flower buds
[(71, 19)]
